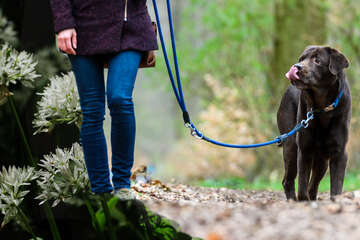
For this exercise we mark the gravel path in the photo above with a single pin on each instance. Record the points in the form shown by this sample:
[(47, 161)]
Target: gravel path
[(224, 214)]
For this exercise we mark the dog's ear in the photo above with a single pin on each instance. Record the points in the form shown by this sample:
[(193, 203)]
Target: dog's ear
[(337, 61)]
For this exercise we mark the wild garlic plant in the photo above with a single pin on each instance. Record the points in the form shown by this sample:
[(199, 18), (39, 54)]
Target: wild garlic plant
[(15, 67), (59, 103), (14, 186), (63, 177)]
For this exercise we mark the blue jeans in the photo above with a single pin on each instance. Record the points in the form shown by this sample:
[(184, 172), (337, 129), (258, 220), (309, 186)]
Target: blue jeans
[(89, 75)]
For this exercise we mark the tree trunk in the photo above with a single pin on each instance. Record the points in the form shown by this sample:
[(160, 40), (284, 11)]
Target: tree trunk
[(298, 23)]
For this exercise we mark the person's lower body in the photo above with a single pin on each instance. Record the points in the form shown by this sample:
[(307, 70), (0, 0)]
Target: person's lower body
[(89, 75)]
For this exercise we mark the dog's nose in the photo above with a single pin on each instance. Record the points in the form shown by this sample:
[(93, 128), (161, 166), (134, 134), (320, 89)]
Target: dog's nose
[(298, 66)]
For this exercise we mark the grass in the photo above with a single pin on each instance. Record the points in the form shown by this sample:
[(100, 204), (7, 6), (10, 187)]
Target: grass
[(351, 183)]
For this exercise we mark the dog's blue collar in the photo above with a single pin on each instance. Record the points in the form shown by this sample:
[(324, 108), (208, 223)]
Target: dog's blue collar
[(331, 106)]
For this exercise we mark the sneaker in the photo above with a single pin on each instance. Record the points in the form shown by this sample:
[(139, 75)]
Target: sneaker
[(125, 194)]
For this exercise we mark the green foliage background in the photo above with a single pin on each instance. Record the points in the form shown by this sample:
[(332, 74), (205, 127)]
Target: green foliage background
[(248, 46)]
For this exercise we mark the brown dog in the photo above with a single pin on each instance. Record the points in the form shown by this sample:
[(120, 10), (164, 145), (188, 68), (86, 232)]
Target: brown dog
[(317, 80)]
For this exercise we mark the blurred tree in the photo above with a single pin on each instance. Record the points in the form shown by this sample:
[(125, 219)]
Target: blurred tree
[(298, 23), (344, 34)]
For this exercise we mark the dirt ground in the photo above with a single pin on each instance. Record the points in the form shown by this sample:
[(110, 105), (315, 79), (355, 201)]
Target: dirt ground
[(224, 214)]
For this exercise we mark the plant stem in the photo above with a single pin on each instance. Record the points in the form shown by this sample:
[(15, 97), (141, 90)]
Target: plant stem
[(26, 222), (92, 214), (12, 105), (47, 209), (53, 226), (107, 217)]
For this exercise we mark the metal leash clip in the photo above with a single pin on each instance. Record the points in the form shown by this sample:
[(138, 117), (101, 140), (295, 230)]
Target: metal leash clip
[(193, 131), (309, 116)]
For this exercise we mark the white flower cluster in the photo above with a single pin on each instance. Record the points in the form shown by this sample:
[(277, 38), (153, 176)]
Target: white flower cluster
[(59, 103), (15, 67), (13, 184), (64, 177)]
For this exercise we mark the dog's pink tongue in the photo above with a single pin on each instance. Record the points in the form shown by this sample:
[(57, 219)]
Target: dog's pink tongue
[(292, 74)]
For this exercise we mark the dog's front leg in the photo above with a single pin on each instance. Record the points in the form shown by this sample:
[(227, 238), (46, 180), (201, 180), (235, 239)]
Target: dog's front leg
[(319, 167), (305, 159), (337, 172)]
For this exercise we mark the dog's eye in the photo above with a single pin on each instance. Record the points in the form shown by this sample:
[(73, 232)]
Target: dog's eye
[(317, 61)]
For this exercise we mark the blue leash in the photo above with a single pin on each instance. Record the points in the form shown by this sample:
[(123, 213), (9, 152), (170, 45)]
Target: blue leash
[(180, 98)]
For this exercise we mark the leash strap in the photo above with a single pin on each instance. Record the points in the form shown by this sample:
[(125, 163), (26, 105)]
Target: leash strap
[(180, 98)]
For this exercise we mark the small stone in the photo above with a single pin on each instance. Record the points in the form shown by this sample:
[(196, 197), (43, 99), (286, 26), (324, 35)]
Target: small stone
[(349, 195), (314, 204), (334, 208), (356, 194)]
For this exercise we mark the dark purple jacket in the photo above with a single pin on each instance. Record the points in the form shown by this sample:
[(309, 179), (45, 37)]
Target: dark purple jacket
[(100, 25)]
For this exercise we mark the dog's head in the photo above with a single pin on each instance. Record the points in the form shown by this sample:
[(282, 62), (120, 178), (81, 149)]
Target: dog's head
[(317, 68)]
